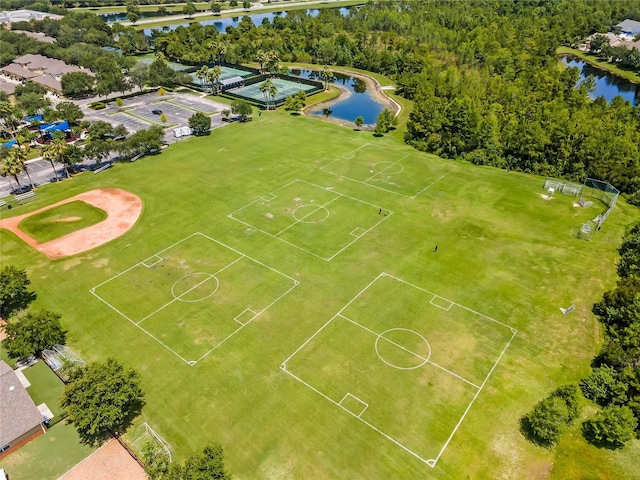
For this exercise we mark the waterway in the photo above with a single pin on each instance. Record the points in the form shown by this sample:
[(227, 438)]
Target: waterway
[(607, 85), (357, 102), (221, 24)]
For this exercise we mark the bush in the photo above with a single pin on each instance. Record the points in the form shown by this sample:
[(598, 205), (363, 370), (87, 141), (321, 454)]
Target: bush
[(612, 427), (603, 386), (550, 417), (97, 106)]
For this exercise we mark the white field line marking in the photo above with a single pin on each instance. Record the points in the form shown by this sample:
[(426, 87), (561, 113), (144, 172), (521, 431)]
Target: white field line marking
[(433, 183), (440, 306), (474, 398), (175, 299), (326, 259), (383, 338), (346, 156), (260, 198), (149, 265), (429, 462), (426, 461), (454, 303), (237, 317), (454, 374), (358, 232), (295, 283), (138, 326), (139, 263), (366, 405), (397, 162), (318, 207)]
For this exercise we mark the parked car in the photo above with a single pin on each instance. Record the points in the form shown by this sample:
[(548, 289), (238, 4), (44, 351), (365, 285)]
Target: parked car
[(156, 112)]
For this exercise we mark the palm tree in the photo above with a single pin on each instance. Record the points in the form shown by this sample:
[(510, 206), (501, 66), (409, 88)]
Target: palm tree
[(55, 152), (264, 88), (10, 115), (202, 75), (272, 92), (12, 166), (213, 75), (20, 155), (326, 75), (273, 61), (261, 58)]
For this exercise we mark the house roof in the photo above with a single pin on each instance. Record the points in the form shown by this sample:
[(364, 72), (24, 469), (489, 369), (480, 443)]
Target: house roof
[(48, 81), (41, 37), (7, 87), (629, 26), (19, 71), (18, 413)]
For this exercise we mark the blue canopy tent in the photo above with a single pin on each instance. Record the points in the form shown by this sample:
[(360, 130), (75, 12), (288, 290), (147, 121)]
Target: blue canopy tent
[(10, 143), (33, 118), (62, 125)]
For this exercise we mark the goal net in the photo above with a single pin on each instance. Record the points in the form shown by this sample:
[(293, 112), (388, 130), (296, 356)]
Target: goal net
[(146, 441), (61, 358)]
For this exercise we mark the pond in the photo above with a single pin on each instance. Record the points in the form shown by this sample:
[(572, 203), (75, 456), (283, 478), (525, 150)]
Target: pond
[(257, 18), (607, 84), (359, 102)]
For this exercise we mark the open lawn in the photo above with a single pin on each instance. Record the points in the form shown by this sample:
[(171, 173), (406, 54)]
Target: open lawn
[(45, 387), (62, 220), (47, 457), (351, 374)]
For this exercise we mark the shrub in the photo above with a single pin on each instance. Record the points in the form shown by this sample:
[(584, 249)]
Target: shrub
[(97, 106), (612, 427)]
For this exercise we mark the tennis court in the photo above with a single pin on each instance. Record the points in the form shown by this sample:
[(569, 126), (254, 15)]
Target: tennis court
[(286, 88)]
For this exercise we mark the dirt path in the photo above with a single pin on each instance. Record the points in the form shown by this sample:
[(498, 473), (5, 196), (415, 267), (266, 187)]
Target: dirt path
[(109, 462), (123, 210)]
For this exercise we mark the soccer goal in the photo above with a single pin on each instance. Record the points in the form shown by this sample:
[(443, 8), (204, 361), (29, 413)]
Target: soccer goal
[(61, 358), (572, 189), (147, 442)]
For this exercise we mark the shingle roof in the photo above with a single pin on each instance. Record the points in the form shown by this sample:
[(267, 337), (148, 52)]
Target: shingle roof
[(41, 37), (19, 71), (629, 26), (48, 81), (7, 87), (18, 413)]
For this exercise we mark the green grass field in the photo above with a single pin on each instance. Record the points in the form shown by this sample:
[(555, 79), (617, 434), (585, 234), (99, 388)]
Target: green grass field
[(504, 254), (62, 220)]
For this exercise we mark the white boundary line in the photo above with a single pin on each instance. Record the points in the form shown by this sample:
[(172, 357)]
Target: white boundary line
[(366, 405), (397, 162), (237, 317), (440, 306), (149, 265), (242, 255), (358, 232), (431, 462), (351, 155), (388, 213)]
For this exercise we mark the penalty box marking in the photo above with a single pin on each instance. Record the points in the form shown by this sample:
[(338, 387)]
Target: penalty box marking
[(349, 395), (247, 312), (242, 255), (358, 232), (151, 261), (329, 189), (351, 155), (431, 462), (442, 303)]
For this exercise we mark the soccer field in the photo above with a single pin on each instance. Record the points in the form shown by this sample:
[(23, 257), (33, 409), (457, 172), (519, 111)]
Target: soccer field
[(282, 294)]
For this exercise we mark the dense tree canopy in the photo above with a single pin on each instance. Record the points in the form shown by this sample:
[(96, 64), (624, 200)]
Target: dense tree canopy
[(29, 333), (14, 294), (102, 398)]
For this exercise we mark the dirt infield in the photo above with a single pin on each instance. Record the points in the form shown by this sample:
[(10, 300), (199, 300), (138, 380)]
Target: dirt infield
[(123, 210), (109, 462)]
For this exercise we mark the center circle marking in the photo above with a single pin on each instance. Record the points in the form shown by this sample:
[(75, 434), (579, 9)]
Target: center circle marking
[(304, 211), (424, 359), (391, 168), (201, 279)]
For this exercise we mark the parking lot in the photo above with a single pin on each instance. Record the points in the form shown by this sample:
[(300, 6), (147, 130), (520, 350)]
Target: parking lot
[(136, 113)]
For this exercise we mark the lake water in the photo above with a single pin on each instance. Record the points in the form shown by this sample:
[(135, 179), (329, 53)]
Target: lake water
[(607, 84), (359, 103), (257, 18)]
